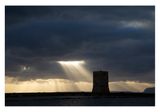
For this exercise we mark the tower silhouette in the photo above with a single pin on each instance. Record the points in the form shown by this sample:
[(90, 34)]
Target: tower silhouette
[(100, 82)]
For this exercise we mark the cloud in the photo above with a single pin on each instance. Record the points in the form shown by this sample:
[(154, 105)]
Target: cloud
[(118, 39), (138, 24), (65, 85), (130, 86), (21, 14)]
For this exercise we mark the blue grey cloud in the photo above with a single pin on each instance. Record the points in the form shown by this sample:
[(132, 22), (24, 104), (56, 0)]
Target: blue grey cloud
[(115, 38)]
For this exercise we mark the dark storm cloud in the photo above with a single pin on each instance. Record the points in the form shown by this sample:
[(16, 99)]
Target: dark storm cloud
[(120, 39), (20, 14)]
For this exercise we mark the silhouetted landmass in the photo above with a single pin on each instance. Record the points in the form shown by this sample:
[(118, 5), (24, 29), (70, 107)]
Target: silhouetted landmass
[(79, 99), (149, 90)]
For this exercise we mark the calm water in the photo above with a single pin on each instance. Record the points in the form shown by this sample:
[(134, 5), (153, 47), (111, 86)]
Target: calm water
[(80, 101)]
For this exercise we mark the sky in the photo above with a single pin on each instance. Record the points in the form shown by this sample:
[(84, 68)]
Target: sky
[(56, 49)]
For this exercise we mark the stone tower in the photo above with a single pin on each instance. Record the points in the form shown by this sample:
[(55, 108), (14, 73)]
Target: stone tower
[(100, 82)]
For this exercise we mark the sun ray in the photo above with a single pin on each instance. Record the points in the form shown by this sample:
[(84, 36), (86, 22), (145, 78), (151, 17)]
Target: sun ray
[(75, 70)]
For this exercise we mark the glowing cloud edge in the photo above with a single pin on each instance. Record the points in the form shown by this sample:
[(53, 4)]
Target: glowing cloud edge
[(71, 62)]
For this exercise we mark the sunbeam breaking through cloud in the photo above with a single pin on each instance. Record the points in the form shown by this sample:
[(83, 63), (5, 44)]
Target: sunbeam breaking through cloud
[(76, 70)]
